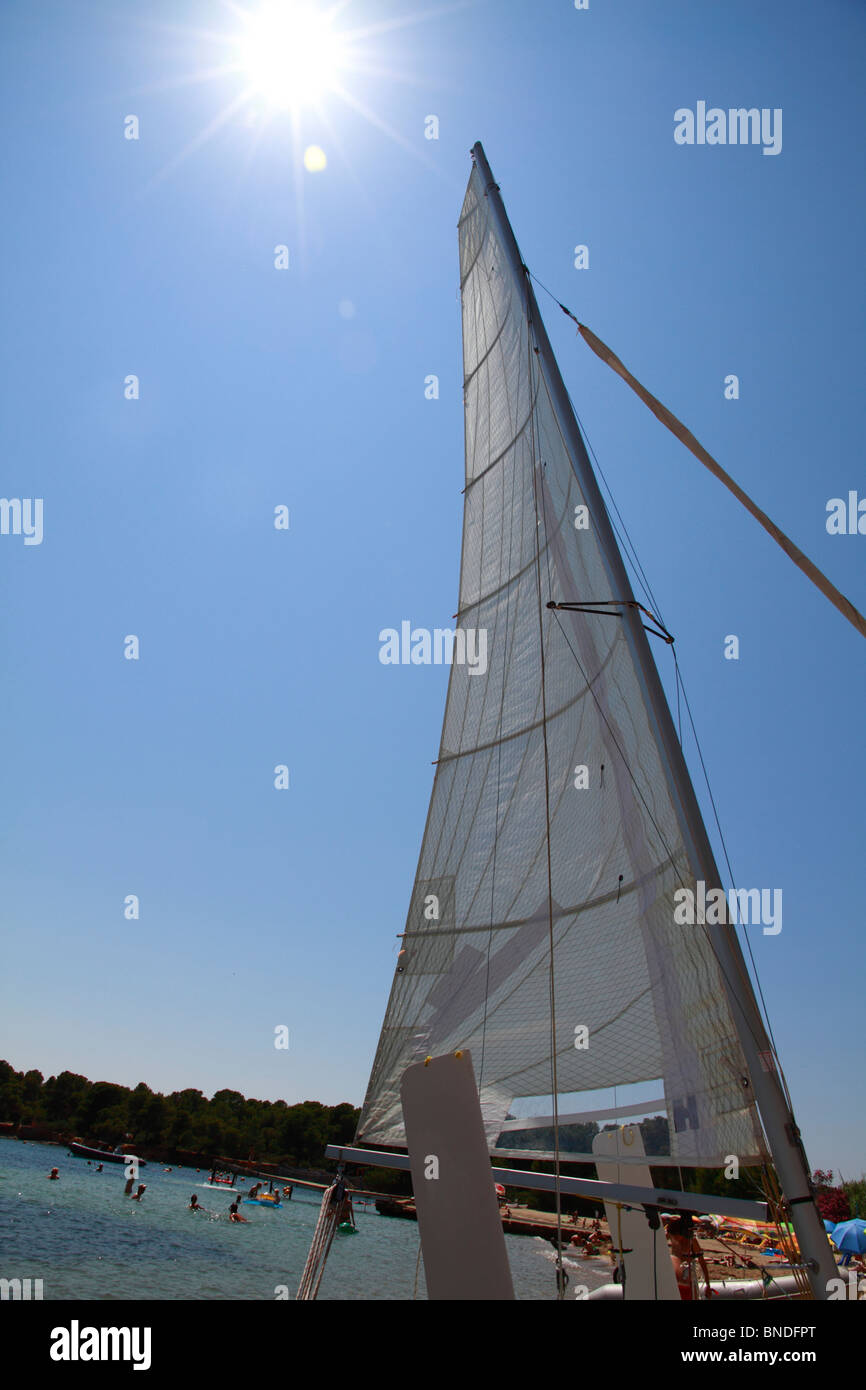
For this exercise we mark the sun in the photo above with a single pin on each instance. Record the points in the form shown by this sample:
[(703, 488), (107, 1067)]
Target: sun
[(290, 54), (294, 64)]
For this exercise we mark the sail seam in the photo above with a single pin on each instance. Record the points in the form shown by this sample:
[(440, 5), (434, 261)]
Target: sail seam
[(508, 447), (518, 733), (476, 258), (477, 368), (512, 578), (559, 912)]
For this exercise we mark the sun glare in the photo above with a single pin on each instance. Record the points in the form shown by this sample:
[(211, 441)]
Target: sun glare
[(290, 54), (297, 59)]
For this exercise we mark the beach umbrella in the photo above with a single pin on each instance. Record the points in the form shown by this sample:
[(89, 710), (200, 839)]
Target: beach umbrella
[(829, 1226), (850, 1236)]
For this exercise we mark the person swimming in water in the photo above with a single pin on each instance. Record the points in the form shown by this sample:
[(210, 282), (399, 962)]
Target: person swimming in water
[(195, 1204), (54, 1175), (137, 1196), (234, 1214)]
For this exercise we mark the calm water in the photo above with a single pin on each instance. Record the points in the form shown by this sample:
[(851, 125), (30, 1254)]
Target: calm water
[(85, 1239)]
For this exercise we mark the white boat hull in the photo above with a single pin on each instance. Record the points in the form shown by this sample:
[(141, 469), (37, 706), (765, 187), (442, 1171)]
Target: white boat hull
[(783, 1286)]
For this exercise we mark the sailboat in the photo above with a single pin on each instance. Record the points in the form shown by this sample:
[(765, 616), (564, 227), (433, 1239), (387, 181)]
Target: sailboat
[(544, 955)]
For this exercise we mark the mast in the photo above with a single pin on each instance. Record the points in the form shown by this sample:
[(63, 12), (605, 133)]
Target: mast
[(782, 1134)]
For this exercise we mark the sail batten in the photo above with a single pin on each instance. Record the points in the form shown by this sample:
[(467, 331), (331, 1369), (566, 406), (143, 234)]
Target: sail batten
[(638, 997)]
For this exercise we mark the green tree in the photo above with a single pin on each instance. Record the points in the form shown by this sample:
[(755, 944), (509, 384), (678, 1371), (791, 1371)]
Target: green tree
[(102, 1096), (12, 1098), (64, 1095), (855, 1191)]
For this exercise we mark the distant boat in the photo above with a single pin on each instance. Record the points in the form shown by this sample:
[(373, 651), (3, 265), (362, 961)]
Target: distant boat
[(105, 1155), (226, 1182)]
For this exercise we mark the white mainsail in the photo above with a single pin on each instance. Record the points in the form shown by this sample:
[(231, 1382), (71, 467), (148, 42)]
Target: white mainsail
[(486, 910)]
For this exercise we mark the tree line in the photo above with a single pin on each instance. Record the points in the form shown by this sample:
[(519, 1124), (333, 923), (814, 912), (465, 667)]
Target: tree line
[(228, 1125)]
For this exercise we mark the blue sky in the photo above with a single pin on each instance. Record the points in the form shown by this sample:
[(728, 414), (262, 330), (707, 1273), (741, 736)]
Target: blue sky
[(260, 647)]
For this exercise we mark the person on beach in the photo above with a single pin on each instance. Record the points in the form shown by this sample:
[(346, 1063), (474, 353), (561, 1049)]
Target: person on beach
[(685, 1250), (234, 1214), (54, 1175)]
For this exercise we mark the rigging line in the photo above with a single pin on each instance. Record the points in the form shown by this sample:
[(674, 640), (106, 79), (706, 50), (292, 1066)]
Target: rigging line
[(708, 939), (560, 1282), (492, 900), (496, 822), (628, 544), (624, 537), (599, 605), (716, 817), (730, 872), (685, 436), (680, 686), (680, 683), (542, 381), (445, 820)]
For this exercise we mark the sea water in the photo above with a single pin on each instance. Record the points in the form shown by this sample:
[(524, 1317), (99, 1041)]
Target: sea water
[(84, 1238)]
